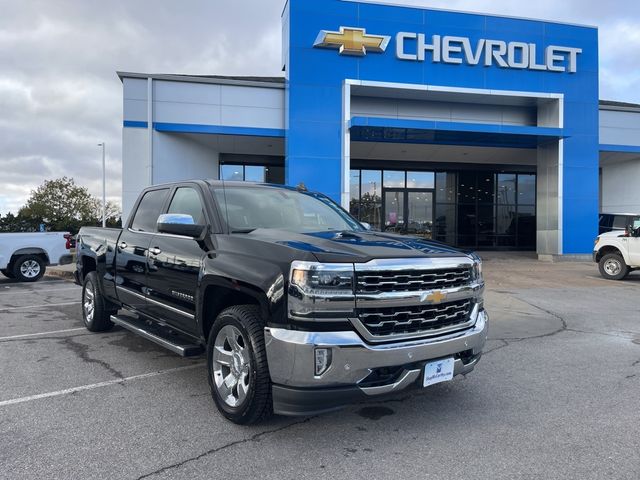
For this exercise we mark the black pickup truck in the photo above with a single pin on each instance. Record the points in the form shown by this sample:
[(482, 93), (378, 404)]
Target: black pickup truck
[(298, 308)]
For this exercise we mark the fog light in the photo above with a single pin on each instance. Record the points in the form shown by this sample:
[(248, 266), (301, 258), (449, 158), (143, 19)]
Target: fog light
[(323, 360)]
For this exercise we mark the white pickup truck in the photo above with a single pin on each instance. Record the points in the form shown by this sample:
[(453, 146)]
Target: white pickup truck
[(618, 253), (25, 256)]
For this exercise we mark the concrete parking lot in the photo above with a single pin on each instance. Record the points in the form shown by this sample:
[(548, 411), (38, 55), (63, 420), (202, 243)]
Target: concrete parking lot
[(556, 395)]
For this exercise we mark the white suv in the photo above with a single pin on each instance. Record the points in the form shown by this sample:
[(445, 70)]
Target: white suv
[(618, 253)]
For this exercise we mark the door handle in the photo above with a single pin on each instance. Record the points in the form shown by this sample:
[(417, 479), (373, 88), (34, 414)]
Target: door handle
[(122, 245), (155, 251)]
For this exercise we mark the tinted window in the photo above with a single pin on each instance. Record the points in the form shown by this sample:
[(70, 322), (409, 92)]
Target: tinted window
[(248, 208), (187, 202), (148, 211), (620, 222)]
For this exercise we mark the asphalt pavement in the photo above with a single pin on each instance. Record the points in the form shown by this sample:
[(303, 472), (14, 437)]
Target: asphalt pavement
[(556, 395)]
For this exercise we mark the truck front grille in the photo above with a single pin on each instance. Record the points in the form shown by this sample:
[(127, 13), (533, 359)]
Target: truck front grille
[(411, 280), (419, 319)]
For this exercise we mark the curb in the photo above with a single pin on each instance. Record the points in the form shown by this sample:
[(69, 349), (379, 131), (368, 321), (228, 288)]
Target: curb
[(66, 274)]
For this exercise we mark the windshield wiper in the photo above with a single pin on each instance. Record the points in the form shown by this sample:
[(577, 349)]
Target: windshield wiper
[(245, 230)]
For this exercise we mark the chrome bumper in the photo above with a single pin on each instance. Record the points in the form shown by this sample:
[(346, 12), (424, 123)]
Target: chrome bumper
[(291, 354)]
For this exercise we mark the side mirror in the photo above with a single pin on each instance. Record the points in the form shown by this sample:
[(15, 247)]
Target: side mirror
[(179, 224), (367, 226)]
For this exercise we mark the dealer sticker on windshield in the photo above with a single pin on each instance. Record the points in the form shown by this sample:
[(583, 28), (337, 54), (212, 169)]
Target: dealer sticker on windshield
[(438, 371)]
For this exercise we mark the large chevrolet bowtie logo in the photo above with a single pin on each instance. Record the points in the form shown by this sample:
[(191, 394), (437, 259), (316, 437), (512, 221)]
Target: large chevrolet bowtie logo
[(352, 41)]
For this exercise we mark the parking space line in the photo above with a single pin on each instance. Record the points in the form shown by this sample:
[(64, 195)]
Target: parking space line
[(24, 292), (92, 386), (39, 306), (27, 335)]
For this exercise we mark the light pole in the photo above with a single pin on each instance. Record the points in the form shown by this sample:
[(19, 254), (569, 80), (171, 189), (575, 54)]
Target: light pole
[(104, 186)]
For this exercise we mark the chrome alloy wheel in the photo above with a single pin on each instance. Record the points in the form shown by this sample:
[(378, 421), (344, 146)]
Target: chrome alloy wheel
[(88, 302), (30, 269), (231, 366), (613, 267)]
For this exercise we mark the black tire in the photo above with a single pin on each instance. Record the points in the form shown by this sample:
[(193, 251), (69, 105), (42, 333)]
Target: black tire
[(613, 267), (96, 319), (257, 403), (7, 272), (28, 268)]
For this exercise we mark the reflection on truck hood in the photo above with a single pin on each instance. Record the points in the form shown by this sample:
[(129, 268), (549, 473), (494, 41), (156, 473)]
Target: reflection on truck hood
[(332, 246)]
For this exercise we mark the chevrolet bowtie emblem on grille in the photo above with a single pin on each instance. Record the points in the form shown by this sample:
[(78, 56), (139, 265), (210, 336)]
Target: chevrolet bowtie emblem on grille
[(436, 297), (352, 41)]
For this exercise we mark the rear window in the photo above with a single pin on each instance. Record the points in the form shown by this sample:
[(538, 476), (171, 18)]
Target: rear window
[(146, 216)]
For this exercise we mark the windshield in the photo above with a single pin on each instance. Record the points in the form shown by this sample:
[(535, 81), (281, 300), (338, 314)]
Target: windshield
[(248, 208)]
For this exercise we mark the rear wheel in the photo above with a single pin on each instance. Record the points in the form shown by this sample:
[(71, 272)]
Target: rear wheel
[(95, 313), (237, 365), (613, 267), (29, 268)]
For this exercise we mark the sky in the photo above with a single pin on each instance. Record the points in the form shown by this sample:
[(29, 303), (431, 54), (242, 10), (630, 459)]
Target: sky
[(60, 95)]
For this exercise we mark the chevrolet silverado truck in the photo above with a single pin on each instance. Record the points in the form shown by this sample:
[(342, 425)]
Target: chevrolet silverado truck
[(298, 308), (618, 253), (25, 256)]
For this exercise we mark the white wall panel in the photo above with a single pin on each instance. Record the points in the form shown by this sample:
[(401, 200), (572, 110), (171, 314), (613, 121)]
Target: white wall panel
[(619, 128), (620, 192)]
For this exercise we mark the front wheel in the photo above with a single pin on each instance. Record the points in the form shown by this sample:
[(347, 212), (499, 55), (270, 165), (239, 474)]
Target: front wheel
[(28, 268), (237, 365), (613, 267)]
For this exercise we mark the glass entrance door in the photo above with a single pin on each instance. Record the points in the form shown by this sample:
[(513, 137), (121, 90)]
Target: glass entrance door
[(420, 213), (408, 212)]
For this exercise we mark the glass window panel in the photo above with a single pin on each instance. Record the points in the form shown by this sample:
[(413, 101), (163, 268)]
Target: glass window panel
[(371, 212), (467, 187), (186, 201), (527, 189), (420, 214), (506, 188), (420, 180), (467, 219), (232, 172), (445, 224), (445, 187), (486, 226), (526, 226), (275, 175), (506, 241), (254, 173), (371, 185), (146, 216), (393, 179), (486, 187), (506, 219), (394, 218), (354, 190)]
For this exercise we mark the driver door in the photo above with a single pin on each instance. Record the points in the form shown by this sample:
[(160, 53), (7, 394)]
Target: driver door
[(634, 243)]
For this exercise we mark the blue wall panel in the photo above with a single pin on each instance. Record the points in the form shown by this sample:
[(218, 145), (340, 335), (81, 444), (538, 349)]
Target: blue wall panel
[(315, 78)]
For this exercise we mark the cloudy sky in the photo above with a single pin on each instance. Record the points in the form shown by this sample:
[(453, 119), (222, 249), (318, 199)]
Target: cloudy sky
[(60, 96)]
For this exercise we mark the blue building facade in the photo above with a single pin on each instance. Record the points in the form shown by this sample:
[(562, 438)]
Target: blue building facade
[(433, 56)]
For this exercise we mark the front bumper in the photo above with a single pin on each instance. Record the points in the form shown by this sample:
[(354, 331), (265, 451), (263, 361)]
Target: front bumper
[(297, 391)]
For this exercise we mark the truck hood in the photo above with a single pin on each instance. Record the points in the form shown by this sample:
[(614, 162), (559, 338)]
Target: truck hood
[(350, 246)]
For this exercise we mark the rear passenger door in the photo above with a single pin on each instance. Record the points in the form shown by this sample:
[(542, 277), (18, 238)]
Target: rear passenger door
[(132, 249), (174, 264)]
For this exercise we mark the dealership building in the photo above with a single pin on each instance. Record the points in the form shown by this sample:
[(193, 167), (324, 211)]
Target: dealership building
[(482, 131)]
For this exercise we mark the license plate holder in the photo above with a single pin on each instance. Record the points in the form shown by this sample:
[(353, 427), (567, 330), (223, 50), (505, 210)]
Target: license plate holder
[(438, 371)]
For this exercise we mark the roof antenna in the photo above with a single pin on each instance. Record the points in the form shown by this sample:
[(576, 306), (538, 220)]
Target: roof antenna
[(301, 187)]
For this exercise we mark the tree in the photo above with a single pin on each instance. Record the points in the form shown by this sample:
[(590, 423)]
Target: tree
[(64, 206)]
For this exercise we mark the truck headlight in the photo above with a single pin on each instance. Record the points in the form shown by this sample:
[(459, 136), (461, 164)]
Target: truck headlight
[(321, 290), (477, 268)]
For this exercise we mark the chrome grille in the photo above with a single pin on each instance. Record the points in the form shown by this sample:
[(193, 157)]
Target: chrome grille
[(411, 280), (427, 319)]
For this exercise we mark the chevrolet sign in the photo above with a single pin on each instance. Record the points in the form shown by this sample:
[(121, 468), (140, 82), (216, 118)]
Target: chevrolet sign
[(454, 50), (458, 50)]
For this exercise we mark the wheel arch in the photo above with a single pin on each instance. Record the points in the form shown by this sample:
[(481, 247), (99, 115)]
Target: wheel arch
[(216, 294), (606, 250), (40, 252)]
